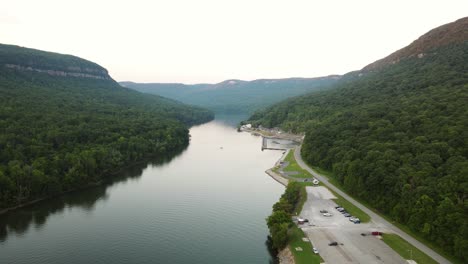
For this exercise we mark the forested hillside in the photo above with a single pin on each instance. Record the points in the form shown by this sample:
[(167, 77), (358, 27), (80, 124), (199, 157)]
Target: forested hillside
[(65, 124), (396, 136), (236, 96)]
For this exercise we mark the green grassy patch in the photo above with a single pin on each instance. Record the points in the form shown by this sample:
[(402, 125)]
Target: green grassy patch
[(293, 166), (306, 256), (302, 199), (406, 250)]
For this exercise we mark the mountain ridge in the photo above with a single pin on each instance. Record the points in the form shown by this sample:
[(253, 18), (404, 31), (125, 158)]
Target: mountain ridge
[(233, 95), (55, 64), (450, 33)]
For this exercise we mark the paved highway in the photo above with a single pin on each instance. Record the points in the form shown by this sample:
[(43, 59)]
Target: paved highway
[(378, 220)]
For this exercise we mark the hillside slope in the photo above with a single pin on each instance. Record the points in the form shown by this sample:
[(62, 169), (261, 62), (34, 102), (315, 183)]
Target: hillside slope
[(396, 136), (64, 124), (236, 96), (448, 34)]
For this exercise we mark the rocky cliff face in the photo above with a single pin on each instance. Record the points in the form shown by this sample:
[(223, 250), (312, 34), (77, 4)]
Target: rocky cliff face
[(55, 64), (451, 33), (74, 72)]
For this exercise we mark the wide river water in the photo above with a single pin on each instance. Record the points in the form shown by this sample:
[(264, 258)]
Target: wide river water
[(206, 205)]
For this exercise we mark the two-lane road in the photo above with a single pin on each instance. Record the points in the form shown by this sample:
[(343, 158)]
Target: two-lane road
[(378, 220)]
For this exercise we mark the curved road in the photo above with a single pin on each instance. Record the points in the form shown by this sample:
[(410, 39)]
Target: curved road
[(378, 220)]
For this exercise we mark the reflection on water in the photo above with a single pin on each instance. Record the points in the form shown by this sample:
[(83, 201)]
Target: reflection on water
[(21, 220), (207, 204), (231, 120)]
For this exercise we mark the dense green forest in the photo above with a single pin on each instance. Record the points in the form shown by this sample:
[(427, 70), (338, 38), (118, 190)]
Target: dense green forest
[(59, 132), (236, 96), (280, 220), (397, 138)]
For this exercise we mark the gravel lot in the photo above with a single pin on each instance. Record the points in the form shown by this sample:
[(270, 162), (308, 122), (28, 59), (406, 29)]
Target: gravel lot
[(352, 246)]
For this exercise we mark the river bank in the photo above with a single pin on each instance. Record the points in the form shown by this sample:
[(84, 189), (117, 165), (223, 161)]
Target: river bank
[(272, 133), (179, 210), (107, 178), (277, 177)]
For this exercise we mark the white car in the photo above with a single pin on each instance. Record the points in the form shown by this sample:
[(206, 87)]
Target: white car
[(315, 250), (327, 214)]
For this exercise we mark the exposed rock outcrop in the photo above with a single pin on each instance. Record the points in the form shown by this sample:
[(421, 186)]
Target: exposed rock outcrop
[(74, 72), (285, 256)]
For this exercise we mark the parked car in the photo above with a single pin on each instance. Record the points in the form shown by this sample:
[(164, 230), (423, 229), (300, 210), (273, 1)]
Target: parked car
[(336, 207), (334, 243), (315, 250), (323, 211), (327, 214), (347, 215), (301, 221), (352, 218), (340, 209)]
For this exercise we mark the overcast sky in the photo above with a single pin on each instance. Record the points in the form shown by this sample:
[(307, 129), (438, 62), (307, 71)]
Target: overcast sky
[(195, 41)]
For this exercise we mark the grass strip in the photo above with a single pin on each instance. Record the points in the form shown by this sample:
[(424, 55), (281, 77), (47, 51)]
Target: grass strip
[(306, 256), (293, 166), (406, 250)]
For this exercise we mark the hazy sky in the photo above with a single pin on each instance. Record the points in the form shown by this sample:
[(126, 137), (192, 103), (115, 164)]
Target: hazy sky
[(213, 40)]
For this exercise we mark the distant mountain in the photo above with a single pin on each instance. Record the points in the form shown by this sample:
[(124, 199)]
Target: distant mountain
[(236, 96), (65, 124), (395, 134)]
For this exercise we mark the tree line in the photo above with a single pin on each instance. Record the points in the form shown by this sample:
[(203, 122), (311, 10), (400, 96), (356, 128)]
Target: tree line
[(280, 220)]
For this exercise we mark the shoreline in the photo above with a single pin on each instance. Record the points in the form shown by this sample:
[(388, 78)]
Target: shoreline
[(32, 202), (108, 178), (277, 177), (274, 134), (285, 255)]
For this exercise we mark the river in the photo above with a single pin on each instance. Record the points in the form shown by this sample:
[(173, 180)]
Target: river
[(208, 204)]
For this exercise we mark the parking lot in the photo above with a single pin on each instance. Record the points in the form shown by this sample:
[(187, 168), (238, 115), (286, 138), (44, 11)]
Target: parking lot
[(352, 246)]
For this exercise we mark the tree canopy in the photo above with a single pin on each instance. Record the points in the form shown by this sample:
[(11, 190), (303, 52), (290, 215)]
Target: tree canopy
[(59, 133), (397, 138)]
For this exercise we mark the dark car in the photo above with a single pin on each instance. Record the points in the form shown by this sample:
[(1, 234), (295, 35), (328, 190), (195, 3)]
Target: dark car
[(347, 215), (336, 207), (323, 211), (334, 243)]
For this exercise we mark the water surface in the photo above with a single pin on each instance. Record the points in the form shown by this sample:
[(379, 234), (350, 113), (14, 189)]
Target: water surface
[(206, 205)]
